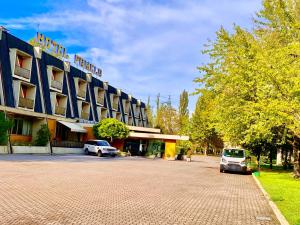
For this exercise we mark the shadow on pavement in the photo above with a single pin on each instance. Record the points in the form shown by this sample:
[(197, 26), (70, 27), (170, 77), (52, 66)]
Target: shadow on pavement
[(62, 158)]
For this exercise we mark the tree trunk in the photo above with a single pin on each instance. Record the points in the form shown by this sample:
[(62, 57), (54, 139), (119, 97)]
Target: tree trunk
[(258, 160), (270, 158), (296, 157), (296, 163), (206, 150), (285, 165)]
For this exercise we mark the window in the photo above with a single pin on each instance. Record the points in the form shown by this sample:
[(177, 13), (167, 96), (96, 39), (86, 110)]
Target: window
[(22, 127), (103, 143), (234, 153)]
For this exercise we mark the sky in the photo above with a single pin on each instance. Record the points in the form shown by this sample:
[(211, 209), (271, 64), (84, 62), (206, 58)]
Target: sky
[(144, 47)]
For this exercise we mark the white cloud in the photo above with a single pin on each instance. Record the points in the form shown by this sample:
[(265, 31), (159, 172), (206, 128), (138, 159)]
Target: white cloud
[(144, 47)]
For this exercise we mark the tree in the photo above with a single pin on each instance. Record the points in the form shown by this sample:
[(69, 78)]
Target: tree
[(149, 113), (203, 132), (183, 113), (5, 124), (254, 80), (110, 128), (167, 119)]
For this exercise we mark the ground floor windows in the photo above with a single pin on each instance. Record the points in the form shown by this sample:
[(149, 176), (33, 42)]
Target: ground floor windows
[(21, 127)]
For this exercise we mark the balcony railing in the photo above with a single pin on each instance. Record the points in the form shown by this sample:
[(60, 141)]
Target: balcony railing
[(81, 93), (84, 115), (56, 84), (26, 103), (137, 114), (115, 105), (22, 72), (100, 100), (60, 110)]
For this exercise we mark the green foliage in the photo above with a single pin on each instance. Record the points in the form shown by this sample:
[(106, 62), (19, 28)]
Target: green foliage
[(203, 131), (110, 128), (167, 119), (149, 113), (253, 80), (43, 136), (183, 113), (5, 125), (155, 147)]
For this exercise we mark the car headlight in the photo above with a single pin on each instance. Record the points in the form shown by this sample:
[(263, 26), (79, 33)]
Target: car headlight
[(243, 162), (224, 160)]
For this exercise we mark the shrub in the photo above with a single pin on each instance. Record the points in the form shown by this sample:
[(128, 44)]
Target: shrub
[(43, 136), (155, 147), (5, 124)]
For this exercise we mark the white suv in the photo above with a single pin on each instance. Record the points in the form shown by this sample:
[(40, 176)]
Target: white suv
[(100, 147)]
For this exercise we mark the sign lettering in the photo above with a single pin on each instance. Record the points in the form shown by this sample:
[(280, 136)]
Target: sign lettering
[(51, 46), (87, 65)]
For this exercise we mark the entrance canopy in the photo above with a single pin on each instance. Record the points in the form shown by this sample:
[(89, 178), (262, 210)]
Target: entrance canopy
[(74, 127)]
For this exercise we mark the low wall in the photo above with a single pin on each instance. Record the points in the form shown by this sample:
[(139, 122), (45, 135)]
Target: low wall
[(3, 150), (30, 150), (61, 150)]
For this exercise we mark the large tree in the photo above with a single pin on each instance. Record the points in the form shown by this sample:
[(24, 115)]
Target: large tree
[(203, 131), (167, 119), (110, 128), (149, 113), (254, 77), (183, 113)]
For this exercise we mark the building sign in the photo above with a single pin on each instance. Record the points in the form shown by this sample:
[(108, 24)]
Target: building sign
[(50, 46), (87, 65)]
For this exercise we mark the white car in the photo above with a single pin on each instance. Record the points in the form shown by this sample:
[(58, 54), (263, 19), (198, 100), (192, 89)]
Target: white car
[(100, 147), (233, 159)]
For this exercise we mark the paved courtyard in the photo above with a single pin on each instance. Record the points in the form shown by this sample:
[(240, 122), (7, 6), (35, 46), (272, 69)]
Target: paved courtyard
[(92, 190)]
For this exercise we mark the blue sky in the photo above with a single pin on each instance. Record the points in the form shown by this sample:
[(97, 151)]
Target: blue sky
[(144, 47)]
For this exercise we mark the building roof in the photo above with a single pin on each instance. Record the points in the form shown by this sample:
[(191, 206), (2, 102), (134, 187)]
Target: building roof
[(158, 136), (144, 129)]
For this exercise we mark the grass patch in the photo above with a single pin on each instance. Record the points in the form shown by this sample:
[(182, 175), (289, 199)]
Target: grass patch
[(284, 190)]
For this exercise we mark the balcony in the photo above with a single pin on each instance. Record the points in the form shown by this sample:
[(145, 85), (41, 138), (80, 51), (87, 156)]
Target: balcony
[(56, 84), (84, 115), (60, 110), (100, 100), (22, 72), (81, 93), (26, 103), (115, 105)]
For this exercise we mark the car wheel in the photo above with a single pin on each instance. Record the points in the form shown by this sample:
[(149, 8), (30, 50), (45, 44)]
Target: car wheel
[(86, 151), (113, 155), (99, 153), (221, 170)]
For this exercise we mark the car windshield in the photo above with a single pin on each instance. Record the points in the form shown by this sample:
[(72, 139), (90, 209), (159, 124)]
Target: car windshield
[(234, 153), (103, 143)]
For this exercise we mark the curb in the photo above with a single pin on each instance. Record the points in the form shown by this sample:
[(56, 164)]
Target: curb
[(282, 220)]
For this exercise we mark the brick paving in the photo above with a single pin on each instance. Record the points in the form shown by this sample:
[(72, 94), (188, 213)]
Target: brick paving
[(89, 190)]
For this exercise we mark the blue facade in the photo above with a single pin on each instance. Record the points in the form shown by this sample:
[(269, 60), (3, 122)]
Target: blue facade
[(70, 93)]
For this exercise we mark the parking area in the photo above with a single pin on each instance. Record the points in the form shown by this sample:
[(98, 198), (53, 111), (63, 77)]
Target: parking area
[(77, 189)]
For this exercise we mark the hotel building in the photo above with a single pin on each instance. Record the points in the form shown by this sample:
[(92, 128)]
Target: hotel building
[(38, 88)]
